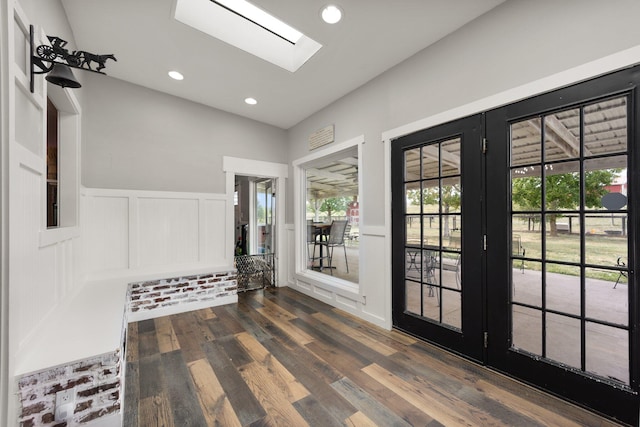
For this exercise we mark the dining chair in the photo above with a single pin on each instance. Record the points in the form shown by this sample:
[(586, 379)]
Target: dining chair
[(335, 239)]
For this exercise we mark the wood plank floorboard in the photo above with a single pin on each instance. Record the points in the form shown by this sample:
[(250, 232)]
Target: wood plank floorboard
[(281, 358)]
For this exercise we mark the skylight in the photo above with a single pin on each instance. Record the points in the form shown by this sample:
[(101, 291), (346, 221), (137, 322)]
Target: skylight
[(245, 26), (261, 18)]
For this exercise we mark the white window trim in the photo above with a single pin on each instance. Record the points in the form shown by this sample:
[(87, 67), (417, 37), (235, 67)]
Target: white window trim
[(300, 229)]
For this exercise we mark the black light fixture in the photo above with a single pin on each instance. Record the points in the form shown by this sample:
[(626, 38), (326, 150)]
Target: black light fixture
[(60, 62)]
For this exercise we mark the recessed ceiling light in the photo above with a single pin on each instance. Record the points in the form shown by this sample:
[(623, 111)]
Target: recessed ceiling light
[(251, 101), (175, 75), (331, 14)]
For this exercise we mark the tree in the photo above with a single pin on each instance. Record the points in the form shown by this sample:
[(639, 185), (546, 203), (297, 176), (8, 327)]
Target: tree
[(447, 196), (562, 192), (334, 204)]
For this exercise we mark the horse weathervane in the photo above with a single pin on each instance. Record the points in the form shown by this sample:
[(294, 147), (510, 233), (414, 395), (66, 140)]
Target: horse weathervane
[(57, 54)]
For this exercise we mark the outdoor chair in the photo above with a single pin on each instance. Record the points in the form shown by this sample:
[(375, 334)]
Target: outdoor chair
[(622, 273), (335, 239)]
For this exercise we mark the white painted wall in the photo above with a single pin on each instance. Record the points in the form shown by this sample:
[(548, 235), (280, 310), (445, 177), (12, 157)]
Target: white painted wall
[(516, 43), (139, 139), (129, 233)]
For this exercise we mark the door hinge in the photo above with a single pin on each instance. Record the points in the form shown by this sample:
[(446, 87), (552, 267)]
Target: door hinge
[(484, 242), (486, 339), (484, 145)]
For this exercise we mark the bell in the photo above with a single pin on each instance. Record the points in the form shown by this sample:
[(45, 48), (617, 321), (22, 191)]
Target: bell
[(61, 75)]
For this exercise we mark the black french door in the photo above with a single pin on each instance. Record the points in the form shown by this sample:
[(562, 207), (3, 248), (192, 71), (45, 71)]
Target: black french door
[(514, 240), (437, 235)]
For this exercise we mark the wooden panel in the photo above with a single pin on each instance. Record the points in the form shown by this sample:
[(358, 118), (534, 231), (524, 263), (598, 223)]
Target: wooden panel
[(156, 411), (105, 227), (213, 233), (167, 231), (166, 336)]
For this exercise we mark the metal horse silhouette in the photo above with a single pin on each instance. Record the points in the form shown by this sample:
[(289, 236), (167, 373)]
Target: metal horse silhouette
[(77, 59)]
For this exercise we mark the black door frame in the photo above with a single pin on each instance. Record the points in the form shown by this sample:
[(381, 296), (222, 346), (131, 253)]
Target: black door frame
[(608, 398)]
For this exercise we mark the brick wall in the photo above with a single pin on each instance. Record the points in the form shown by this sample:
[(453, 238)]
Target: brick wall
[(180, 291), (97, 380), (97, 391)]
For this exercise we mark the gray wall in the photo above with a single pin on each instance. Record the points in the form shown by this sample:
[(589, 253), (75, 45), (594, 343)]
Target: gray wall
[(136, 138), (518, 42)]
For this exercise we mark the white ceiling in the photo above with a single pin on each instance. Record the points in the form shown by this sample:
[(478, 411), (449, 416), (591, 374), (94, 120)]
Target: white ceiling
[(373, 36)]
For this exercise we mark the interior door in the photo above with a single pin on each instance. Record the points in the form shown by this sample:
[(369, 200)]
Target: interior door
[(561, 233), (437, 235)]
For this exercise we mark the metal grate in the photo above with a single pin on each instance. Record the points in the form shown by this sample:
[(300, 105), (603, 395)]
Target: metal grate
[(255, 271)]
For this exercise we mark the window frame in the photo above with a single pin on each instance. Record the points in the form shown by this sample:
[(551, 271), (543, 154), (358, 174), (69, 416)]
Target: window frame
[(69, 118), (300, 166)]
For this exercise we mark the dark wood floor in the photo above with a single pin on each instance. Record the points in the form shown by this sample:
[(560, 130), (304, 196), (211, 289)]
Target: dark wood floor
[(281, 358)]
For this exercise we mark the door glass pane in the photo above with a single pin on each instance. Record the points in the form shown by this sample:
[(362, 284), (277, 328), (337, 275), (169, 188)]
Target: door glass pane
[(563, 238), (563, 288), (412, 197), (563, 339), (450, 154), (603, 301), (526, 137), (526, 331), (526, 236), (527, 283), (412, 164), (450, 194), (562, 186), (605, 127), (562, 135), (412, 230), (526, 189), (431, 231), (607, 351), (412, 296), (431, 196), (430, 161), (604, 239), (452, 308)]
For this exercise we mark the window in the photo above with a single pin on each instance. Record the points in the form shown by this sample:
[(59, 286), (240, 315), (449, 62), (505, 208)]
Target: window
[(52, 165), (329, 214)]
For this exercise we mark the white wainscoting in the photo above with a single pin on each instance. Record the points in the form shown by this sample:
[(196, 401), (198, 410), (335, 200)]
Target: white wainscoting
[(133, 233), (370, 299)]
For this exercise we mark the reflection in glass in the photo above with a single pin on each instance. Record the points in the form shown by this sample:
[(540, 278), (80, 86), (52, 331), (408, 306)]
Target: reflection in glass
[(562, 335), (525, 142), (563, 288), (526, 329), (562, 135), (607, 352)]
